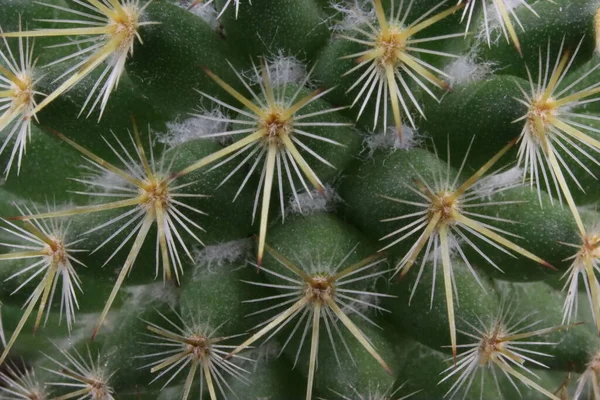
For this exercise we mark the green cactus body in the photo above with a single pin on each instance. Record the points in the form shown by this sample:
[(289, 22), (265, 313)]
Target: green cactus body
[(430, 328), (543, 24), (299, 199)]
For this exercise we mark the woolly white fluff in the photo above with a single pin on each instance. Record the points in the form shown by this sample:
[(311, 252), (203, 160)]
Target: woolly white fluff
[(283, 69), (353, 13), (179, 132), (466, 69), (86, 324), (101, 182), (492, 183), (494, 20), (389, 140), (141, 295), (220, 254), (308, 203), (206, 11)]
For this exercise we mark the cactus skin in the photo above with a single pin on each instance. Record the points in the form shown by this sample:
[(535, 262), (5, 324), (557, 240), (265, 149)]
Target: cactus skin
[(191, 192)]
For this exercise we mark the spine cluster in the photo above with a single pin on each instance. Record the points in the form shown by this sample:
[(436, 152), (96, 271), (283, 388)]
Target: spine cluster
[(250, 121)]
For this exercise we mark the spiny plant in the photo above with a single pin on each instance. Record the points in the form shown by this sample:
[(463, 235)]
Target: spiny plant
[(391, 55), (21, 384), (81, 376), (48, 244), (196, 347), (505, 15), (445, 213), (147, 189), (203, 3), (318, 291), (551, 123), (112, 30), (17, 97), (377, 394), (500, 345), (585, 263), (294, 98), (274, 124), (589, 381)]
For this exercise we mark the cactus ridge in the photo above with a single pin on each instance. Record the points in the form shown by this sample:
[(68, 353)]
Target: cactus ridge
[(333, 110)]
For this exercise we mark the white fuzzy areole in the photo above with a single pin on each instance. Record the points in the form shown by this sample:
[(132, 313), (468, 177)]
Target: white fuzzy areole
[(467, 69), (207, 12), (283, 69), (390, 141), (140, 295), (353, 13), (179, 132), (495, 21), (103, 182), (307, 204), (492, 183), (220, 254), (86, 324)]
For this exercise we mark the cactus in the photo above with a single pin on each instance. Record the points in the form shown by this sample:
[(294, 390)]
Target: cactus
[(344, 199)]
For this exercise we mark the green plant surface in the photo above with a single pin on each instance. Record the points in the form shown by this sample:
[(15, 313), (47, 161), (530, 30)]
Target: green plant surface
[(299, 199)]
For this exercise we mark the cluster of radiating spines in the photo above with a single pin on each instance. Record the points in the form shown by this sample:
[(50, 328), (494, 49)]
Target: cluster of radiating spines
[(563, 389), (84, 376), (273, 127), (588, 384), (203, 3), (505, 14), (391, 63), (584, 266), (501, 346), (46, 245), (18, 81), (317, 294), (188, 344), (446, 217), (19, 382), (105, 33), (549, 125), (147, 194), (552, 126), (374, 393)]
